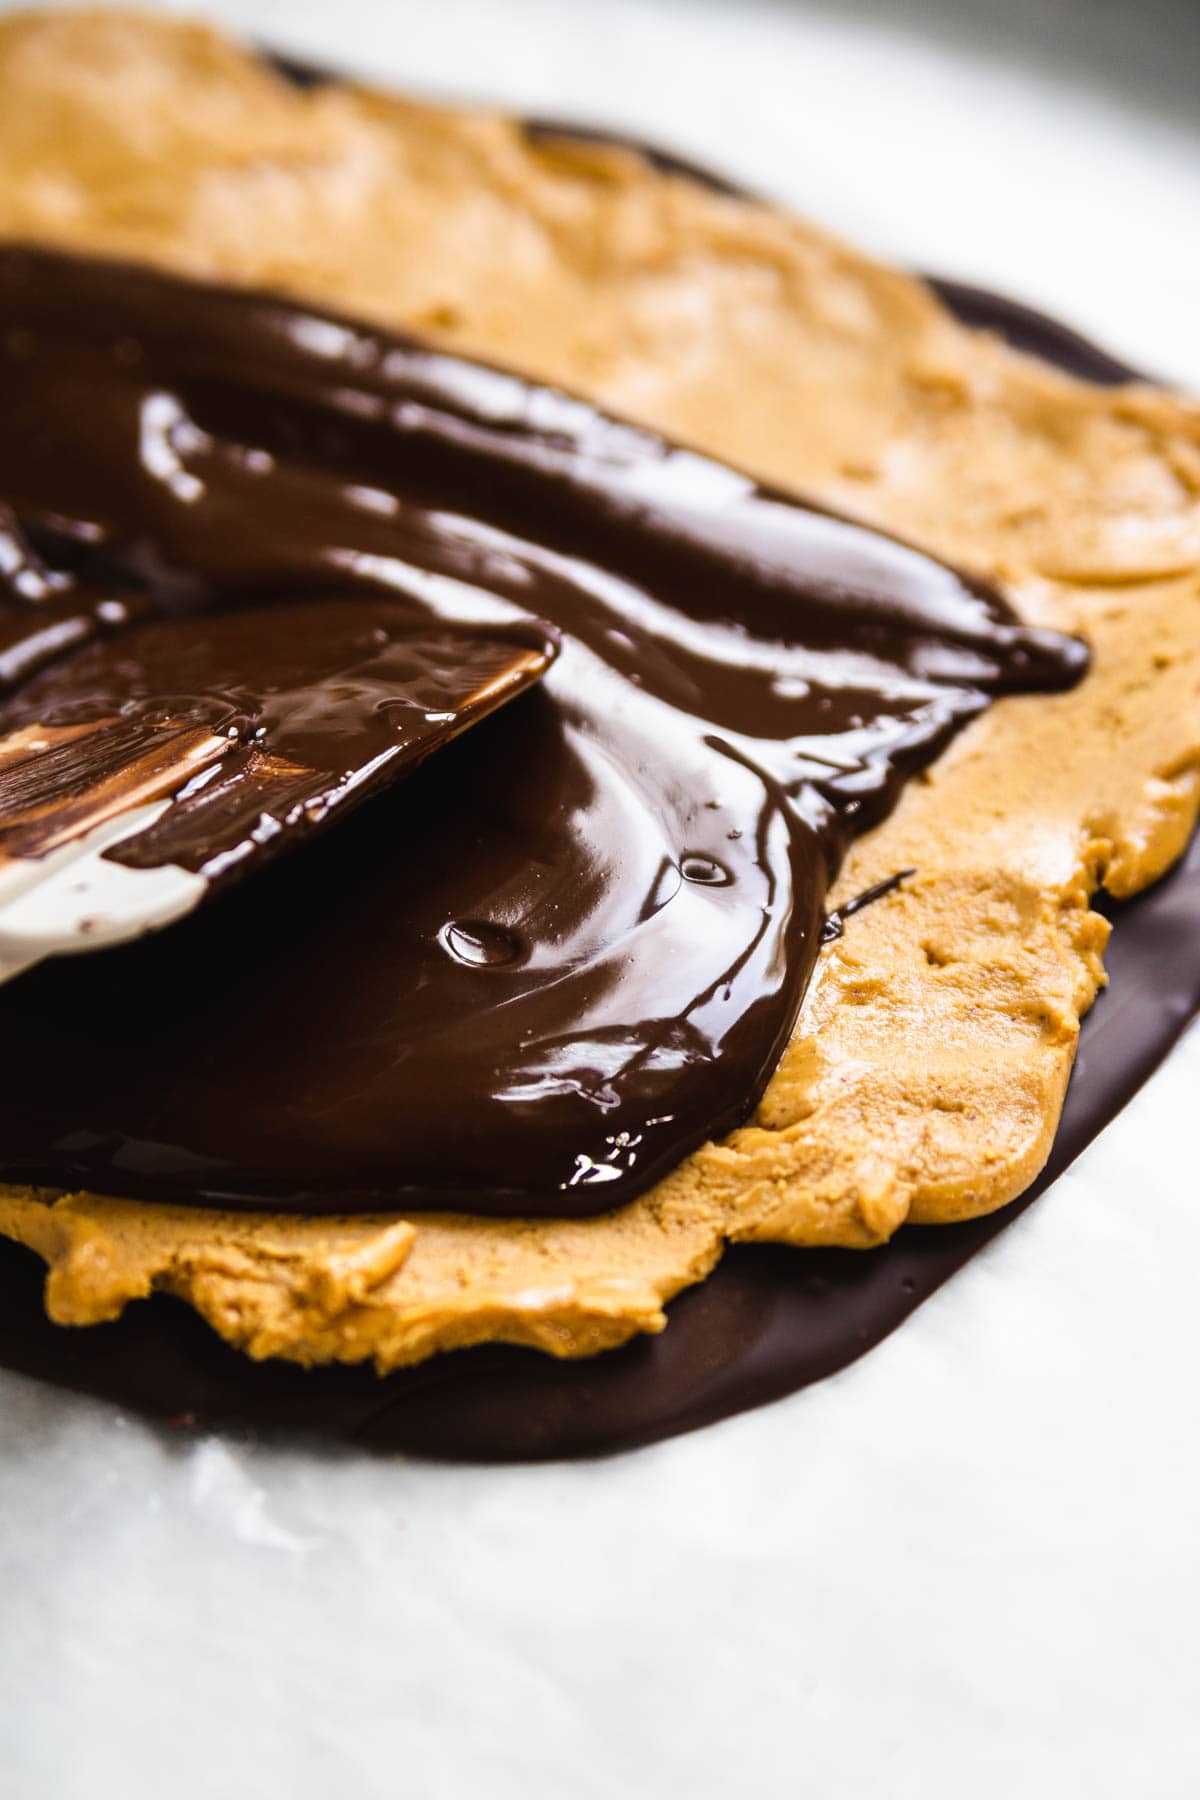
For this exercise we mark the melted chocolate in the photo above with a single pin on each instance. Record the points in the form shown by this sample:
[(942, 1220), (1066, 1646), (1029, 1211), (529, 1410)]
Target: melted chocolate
[(766, 1322), (835, 923), (573, 946), (266, 724)]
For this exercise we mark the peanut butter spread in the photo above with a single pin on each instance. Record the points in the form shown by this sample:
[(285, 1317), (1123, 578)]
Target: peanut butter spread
[(927, 1072)]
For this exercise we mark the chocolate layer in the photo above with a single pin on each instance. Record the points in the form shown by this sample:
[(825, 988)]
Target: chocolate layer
[(573, 947)]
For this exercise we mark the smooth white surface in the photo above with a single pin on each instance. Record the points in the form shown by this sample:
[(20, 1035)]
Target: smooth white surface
[(967, 1566)]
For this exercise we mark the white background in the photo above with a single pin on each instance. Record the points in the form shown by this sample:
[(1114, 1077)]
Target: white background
[(967, 1566)]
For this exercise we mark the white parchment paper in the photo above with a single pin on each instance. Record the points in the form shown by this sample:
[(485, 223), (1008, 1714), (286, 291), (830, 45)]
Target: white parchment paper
[(968, 1565)]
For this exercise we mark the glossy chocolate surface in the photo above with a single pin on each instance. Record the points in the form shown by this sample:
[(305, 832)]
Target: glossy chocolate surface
[(573, 945), (265, 724), (767, 1321)]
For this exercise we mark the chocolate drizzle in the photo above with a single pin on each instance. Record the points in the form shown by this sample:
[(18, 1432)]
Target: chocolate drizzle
[(835, 923), (572, 947)]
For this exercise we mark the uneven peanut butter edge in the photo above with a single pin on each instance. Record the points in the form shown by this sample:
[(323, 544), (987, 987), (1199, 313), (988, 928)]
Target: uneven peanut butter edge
[(928, 1069)]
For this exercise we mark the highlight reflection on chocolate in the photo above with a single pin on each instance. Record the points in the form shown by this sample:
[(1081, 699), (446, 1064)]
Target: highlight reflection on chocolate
[(767, 1321), (308, 709), (573, 946)]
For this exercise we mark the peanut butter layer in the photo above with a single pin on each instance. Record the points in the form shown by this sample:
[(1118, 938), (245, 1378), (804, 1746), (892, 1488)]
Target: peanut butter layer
[(928, 1068)]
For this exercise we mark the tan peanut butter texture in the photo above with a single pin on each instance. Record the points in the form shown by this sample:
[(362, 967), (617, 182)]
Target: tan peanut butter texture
[(928, 1067)]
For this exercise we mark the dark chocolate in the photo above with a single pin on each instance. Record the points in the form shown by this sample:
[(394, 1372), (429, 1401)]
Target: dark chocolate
[(573, 945), (766, 1322), (835, 922), (267, 724)]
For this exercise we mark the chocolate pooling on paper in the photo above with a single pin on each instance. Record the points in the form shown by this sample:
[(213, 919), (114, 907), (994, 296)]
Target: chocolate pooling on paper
[(574, 945)]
